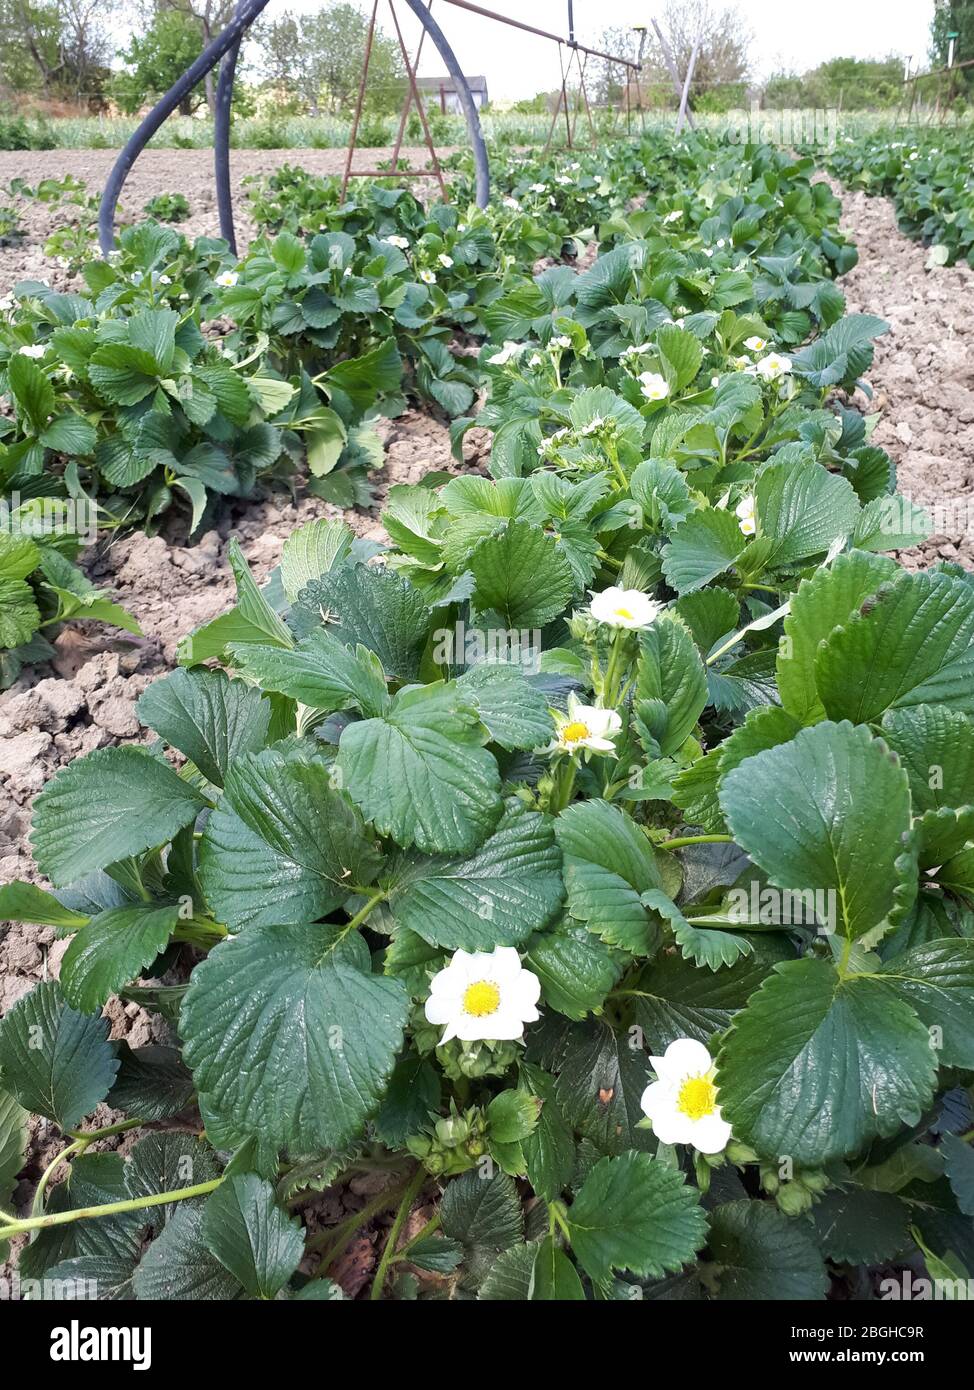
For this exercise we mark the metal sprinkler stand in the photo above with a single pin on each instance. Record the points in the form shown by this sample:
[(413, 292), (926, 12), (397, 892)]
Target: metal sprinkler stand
[(225, 49)]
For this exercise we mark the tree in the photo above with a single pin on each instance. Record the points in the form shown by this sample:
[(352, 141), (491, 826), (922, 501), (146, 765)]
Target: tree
[(157, 58), (320, 55), (952, 17), (57, 47), (722, 59)]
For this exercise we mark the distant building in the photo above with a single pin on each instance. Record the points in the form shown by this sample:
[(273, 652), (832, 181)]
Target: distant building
[(444, 90)]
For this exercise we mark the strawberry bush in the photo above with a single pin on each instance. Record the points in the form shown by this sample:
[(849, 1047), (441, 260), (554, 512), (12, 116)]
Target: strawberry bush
[(595, 858)]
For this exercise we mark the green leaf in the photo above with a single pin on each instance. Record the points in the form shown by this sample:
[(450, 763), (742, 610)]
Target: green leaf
[(122, 374), (575, 969), (936, 747), (555, 1277), (705, 545), (702, 945), (601, 1078), (758, 1254), (152, 1083), (609, 864), (55, 1062), (25, 902), (207, 717), (959, 1162), (373, 607), (252, 1237), (311, 551), (19, 556), (521, 575), (178, 1265), (165, 1163), (282, 846), (861, 1227), (131, 801), (112, 950), (634, 1213), (816, 1065), (671, 686), (510, 887), (19, 615), (320, 672), (681, 355), (287, 1041), (911, 644), (828, 838), (511, 1116), (436, 1253), (251, 620), (13, 1143), (549, 1149), (515, 712), (937, 980), (662, 492), (801, 510), (421, 773), (70, 434), (482, 1211), (511, 1276)]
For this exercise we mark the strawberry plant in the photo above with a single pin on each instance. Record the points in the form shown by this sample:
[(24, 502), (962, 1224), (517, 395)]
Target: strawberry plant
[(596, 858)]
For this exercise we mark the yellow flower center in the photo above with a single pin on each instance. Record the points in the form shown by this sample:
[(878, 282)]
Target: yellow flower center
[(575, 732), (698, 1097), (481, 998), (623, 613)]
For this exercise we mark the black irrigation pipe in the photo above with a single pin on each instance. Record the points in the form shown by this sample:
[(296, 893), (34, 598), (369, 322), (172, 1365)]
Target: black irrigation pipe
[(466, 100), (226, 47), (247, 12), (221, 140)]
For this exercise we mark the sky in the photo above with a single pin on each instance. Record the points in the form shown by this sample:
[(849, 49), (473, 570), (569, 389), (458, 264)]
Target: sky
[(786, 35)]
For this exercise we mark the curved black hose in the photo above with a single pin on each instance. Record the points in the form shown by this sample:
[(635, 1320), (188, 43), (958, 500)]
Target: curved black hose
[(466, 100), (247, 12), (221, 141)]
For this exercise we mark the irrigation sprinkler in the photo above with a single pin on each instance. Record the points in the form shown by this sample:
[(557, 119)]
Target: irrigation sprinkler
[(224, 50)]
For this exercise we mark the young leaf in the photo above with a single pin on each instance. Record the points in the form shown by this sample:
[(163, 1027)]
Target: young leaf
[(671, 686), (633, 1212), (421, 773), (252, 1237)]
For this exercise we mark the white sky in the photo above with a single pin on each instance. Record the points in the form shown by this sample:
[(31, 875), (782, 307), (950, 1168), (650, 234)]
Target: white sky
[(786, 35)]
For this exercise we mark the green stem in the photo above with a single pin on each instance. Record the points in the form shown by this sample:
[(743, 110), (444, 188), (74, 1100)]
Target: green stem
[(682, 840), (91, 1135), (333, 1241), (65, 1218), (408, 1197), (363, 913), (433, 1224), (37, 1206)]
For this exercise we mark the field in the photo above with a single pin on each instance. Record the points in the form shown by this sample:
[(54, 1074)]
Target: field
[(687, 430)]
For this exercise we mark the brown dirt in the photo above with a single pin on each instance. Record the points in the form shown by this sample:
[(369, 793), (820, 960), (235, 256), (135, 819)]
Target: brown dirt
[(189, 172), (923, 379), (923, 375)]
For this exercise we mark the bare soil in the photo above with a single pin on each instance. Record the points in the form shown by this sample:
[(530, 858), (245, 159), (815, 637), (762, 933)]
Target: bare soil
[(923, 379), (189, 172)]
